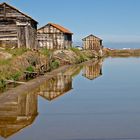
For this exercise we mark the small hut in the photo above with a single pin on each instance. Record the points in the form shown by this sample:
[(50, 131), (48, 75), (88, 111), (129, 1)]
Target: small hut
[(54, 36), (92, 42), (16, 28)]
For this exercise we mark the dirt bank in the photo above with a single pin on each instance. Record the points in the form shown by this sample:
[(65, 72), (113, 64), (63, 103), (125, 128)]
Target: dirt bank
[(22, 65), (34, 85), (35, 63)]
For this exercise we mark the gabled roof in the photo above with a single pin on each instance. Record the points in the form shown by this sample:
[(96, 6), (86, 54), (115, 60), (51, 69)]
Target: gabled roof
[(1, 4), (62, 29), (91, 36)]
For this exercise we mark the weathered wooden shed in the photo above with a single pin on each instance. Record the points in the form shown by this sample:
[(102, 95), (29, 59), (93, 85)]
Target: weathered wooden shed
[(54, 36), (92, 42), (16, 28)]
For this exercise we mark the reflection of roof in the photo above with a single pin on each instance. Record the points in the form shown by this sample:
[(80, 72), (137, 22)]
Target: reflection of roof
[(17, 11), (91, 36), (11, 125), (62, 29)]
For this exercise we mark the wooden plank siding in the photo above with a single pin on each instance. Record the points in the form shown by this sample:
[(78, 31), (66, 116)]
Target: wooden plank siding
[(92, 42), (16, 28), (51, 36)]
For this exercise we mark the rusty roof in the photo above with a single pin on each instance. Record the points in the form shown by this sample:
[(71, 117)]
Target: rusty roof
[(62, 29), (92, 36), (1, 4)]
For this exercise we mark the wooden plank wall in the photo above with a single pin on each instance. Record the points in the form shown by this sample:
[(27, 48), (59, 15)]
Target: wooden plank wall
[(51, 38), (8, 34), (16, 29), (92, 43)]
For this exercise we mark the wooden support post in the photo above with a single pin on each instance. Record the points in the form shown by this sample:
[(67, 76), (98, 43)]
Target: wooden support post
[(4, 11)]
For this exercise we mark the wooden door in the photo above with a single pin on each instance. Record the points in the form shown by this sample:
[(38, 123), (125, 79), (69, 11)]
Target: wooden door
[(21, 35)]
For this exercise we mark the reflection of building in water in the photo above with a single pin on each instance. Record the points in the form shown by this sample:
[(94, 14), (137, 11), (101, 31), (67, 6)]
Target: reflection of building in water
[(16, 112), (73, 70), (93, 70), (56, 86)]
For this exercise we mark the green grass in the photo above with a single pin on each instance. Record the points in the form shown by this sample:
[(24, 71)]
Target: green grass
[(76, 50), (54, 64), (81, 57), (46, 52), (16, 51), (2, 84), (5, 62), (30, 69), (15, 76)]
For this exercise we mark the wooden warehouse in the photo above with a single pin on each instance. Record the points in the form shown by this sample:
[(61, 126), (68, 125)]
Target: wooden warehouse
[(16, 28), (92, 42), (54, 36)]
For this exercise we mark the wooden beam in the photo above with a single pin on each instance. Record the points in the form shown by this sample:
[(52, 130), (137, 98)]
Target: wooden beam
[(4, 11), (12, 81)]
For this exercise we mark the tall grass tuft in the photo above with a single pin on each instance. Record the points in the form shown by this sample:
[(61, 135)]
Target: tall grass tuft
[(46, 52), (17, 51)]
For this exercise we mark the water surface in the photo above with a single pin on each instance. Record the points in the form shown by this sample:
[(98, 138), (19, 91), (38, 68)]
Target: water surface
[(97, 101)]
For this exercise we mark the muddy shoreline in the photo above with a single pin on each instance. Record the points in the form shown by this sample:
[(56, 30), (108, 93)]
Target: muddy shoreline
[(34, 83)]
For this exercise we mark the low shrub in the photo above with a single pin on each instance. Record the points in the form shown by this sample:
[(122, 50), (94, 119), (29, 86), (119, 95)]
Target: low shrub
[(2, 84), (46, 52), (76, 50), (5, 61), (16, 76), (30, 69), (54, 64)]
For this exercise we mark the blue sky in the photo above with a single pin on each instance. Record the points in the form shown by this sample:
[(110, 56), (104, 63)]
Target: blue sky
[(112, 20)]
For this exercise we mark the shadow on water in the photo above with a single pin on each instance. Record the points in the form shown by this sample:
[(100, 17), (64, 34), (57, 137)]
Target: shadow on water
[(20, 111)]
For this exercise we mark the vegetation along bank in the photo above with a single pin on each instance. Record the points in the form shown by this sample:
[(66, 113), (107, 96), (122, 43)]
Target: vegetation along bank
[(23, 64)]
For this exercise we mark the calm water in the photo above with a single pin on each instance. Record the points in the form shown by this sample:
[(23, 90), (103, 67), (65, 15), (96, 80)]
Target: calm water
[(96, 101), (115, 45), (122, 45)]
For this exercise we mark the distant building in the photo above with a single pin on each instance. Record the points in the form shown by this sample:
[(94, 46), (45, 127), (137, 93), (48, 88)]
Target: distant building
[(92, 70), (54, 36), (92, 42), (16, 28)]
